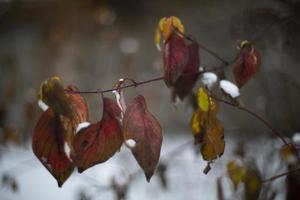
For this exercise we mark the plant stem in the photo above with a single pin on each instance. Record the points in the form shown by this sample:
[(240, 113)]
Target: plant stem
[(280, 175)]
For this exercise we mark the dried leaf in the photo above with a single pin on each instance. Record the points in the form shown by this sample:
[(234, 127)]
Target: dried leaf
[(185, 83), (236, 173), (166, 27), (52, 93), (141, 126), (252, 183), (100, 141), (175, 57), (247, 64), (48, 146), (213, 140)]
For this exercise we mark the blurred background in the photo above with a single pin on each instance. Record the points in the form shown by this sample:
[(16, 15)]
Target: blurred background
[(93, 43)]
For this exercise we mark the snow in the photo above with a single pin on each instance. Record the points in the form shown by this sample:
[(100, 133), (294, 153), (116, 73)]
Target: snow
[(130, 143), (82, 125), (118, 98), (230, 88), (296, 137), (42, 105), (209, 79), (67, 151), (158, 47)]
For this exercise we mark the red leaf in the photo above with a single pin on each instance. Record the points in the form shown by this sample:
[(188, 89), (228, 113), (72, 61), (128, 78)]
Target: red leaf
[(184, 85), (246, 65), (175, 57), (141, 126), (100, 141), (48, 145)]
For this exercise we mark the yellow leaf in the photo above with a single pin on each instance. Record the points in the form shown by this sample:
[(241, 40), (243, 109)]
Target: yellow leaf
[(166, 27), (52, 93), (252, 183), (213, 141), (197, 122), (236, 173), (203, 99)]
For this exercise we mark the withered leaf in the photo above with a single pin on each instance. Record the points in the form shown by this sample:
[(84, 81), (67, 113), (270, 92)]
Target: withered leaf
[(185, 83), (141, 126), (253, 183), (48, 145), (99, 141), (213, 140), (247, 64), (175, 57)]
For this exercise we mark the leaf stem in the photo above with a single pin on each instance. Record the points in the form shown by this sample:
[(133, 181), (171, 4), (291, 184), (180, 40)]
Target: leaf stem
[(281, 175)]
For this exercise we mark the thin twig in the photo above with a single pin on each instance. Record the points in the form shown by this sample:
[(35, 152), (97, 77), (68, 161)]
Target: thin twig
[(280, 175)]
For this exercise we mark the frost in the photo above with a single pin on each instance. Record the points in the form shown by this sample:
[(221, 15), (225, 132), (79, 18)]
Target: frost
[(67, 151), (42, 105), (82, 125), (158, 47), (230, 88), (130, 143), (209, 79), (296, 137)]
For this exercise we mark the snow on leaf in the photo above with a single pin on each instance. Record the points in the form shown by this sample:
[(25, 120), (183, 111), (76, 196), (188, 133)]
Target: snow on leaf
[(140, 125), (42, 105), (130, 143), (82, 126), (230, 88), (99, 141), (208, 79), (246, 64), (48, 146), (185, 83)]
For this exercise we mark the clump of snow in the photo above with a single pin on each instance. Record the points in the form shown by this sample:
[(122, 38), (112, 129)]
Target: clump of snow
[(201, 69), (209, 79), (296, 137), (42, 105), (230, 88), (118, 97), (158, 47), (130, 143), (82, 125), (67, 151)]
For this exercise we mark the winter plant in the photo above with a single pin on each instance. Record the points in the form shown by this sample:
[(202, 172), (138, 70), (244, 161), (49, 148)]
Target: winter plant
[(65, 139)]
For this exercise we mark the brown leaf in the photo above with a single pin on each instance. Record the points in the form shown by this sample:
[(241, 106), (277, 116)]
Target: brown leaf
[(175, 56), (253, 183), (141, 126), (247, 64), (48, 145), (185, 83), (100, 141), (213, 140)]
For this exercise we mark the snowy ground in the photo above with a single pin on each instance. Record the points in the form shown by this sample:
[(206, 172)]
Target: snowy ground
[(185, 176)]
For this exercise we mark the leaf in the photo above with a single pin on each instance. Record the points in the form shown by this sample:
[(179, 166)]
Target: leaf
[(185, 83), (203, 99), (175, 57), (247, 64), (52, 93), (141, 126), (48, 146), (253, 183), (213, 140), (166, 27), (236, 173), (99, 141)]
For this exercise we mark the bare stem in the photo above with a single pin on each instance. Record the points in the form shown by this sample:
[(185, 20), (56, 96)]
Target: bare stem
[(258, 117), (281, 175)]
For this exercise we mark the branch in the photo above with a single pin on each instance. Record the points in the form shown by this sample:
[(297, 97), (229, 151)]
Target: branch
[(258, 117), (281, 175)]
